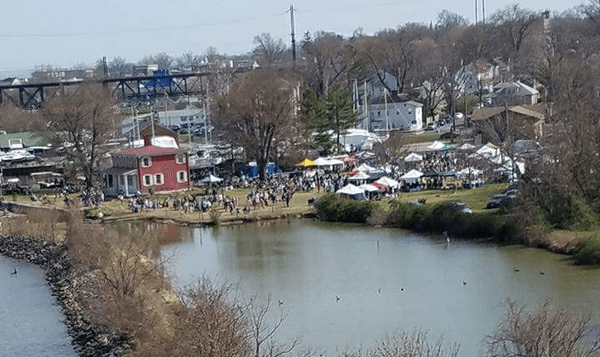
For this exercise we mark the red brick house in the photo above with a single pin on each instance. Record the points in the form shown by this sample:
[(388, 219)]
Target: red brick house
[(163, 169)]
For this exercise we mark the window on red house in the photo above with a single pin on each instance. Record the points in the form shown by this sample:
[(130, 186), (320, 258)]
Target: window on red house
[(158, 179), (181, 176)]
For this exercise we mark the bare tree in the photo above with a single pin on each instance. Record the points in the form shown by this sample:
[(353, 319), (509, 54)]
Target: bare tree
[(81, 121), (447, 20), (389, 52), (327, 59), (119, 67), (268, 50), (543, 333), (259, 111), (513, 25), (214, 324), (13, 119), (262, 332), (163, 60), (188, 62), (403, 344)]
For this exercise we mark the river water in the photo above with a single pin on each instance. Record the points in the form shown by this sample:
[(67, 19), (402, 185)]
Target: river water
[(386, 279), (30, 321)]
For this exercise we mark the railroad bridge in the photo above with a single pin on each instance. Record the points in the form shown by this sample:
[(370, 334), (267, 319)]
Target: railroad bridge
[(33, 95)]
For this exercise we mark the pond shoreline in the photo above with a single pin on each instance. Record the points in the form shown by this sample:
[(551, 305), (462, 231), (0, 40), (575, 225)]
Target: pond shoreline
[(68, 287)]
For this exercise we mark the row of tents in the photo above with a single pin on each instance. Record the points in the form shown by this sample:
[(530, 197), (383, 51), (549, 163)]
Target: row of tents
[(361, 192)]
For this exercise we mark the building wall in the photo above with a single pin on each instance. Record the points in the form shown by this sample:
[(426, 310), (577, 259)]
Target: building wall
[(167, 166), (401, 116), (170, 118)]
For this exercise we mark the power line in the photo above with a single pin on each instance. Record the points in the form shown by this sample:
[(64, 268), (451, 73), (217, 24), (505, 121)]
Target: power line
[(230, 22)]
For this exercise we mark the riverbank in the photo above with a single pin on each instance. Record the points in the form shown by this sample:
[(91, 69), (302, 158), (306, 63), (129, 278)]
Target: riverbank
[(562, 242), (69, 288)]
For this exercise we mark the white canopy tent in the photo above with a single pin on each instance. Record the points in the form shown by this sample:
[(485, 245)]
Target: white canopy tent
[(211, 179), (365, 168), (360, 176), (436, 145), (412, 175), (412, 157), (328, 163), (467, 146), (388, 182), (352, 191), (487, 151), (369, 188)]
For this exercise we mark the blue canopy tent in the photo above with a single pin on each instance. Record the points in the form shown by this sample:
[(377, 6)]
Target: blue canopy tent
[(251, 169)]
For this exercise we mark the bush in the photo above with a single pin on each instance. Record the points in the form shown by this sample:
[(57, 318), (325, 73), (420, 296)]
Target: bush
[(335, 208), (567, 211), (587, 251), (448, 217), (408, 216)]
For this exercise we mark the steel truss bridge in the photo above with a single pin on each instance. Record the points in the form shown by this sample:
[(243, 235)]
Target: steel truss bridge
[(33, 95)]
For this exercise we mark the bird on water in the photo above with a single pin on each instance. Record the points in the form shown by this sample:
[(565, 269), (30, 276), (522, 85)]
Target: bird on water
[(14, 272), (447, 236)]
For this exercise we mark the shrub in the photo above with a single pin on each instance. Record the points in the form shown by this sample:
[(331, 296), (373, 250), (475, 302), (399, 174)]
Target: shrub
[(567, 211), (587, 251), (335, 208)]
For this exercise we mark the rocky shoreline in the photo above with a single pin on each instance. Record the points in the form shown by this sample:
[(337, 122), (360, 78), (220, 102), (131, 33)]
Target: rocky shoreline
[(89, 338)]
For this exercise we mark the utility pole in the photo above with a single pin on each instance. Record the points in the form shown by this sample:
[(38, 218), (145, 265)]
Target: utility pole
[(105, 67), (293, 34), (483, 11), (476, 11)]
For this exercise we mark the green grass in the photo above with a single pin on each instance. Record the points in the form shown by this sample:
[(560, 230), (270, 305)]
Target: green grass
[(421, 138), (475, 198)]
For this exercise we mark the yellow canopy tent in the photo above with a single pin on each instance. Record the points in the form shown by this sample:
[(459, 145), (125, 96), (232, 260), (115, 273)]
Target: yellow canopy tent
[(306, 163)]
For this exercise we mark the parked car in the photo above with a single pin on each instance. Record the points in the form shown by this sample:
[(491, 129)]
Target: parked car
[(497, 201), (449, 134), (462, 206), (431, 126)]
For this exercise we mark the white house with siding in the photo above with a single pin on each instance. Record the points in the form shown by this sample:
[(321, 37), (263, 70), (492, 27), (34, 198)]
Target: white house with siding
[(405, 116)]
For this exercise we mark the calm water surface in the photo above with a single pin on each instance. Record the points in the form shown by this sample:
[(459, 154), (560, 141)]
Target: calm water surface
[(386, 279), (30, 321)]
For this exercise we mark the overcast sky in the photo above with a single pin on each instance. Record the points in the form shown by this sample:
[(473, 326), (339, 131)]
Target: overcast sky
[(63, 33)]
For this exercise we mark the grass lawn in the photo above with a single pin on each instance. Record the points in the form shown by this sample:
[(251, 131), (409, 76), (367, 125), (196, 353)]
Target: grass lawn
[(421, 138), (475, 198), (298, 205)]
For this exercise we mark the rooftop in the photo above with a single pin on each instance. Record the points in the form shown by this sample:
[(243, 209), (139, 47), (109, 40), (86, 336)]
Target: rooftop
[(151, 151)]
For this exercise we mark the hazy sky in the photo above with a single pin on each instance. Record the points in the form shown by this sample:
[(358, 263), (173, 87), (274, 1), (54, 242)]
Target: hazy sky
[(63, 33)]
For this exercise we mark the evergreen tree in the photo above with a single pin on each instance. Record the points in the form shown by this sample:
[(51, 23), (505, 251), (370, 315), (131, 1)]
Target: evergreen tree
[(318, 128), (339, 112), (329, 118)]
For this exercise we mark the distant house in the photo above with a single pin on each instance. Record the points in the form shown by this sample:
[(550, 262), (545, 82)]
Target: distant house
[(396, 116), (10, 81), (514, 93), (525, 121), (149, 167)]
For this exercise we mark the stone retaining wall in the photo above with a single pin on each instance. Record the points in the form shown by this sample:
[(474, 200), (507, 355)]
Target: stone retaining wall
[(90, 339)]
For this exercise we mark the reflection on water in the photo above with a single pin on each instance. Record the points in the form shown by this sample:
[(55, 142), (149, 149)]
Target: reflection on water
[(30, 322), (385, 279)]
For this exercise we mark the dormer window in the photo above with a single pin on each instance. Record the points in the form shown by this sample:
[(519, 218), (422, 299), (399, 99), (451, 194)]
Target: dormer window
[(146, 161)]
